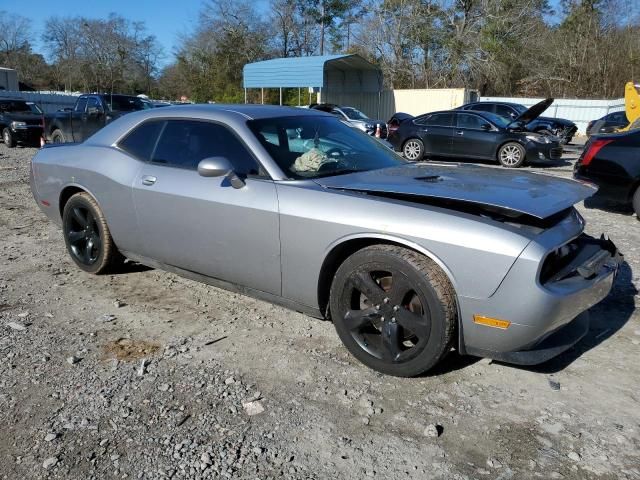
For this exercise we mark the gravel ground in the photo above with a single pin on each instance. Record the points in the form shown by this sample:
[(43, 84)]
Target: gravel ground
[(147, 375)]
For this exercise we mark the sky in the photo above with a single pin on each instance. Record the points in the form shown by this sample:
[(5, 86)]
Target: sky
[(166, 19)]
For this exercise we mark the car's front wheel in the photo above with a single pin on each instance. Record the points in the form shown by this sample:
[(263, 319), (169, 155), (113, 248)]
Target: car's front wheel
[(511, 155), (413, 149), (7, 138), (394, 309), (87, 235)]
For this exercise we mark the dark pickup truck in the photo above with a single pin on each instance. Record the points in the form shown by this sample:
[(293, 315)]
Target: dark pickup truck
[(90, 114), (20, 122)]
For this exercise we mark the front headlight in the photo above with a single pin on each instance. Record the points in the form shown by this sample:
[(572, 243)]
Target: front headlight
[(17, 125), (538, 138)]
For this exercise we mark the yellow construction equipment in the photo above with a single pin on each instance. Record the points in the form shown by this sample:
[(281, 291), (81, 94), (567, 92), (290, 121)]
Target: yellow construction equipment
[(631, 104)]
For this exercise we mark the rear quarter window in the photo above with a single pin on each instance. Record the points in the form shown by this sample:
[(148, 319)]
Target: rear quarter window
[(141, 141)]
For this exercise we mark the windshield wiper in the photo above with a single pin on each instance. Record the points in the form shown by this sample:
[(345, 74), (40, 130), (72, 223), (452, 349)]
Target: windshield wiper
[(343, 171)]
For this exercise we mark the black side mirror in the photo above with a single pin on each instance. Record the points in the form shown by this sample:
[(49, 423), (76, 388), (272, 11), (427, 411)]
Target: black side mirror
[(94, 110), (485, 126), (220, 167)]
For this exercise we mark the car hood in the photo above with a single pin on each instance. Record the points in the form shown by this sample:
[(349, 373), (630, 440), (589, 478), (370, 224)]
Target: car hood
[(534, 112), (29, 118), (519, 192)]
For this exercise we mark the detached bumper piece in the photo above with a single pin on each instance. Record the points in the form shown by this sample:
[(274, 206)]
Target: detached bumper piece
[(585, 257), (551, 346), (573, 278)]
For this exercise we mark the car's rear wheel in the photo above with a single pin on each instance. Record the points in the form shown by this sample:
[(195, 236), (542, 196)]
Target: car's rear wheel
[(394, 309), (7, 138), (57, 136), (511, 155), (87, 235), (413, 149)]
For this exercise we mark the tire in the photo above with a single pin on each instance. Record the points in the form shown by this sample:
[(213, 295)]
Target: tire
[(87, 235), (413, 149), (636, 202), (8, 139), (511, 155), (57, 136), (405, 324)]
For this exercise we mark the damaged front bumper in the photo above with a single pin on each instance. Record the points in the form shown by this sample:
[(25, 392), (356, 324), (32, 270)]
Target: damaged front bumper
[(549, 316)]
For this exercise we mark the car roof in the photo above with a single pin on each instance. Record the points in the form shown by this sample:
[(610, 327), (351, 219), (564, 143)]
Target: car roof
[(248, 111), (493, 102)]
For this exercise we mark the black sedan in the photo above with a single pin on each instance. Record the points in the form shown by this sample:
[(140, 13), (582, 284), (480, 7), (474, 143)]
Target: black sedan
[(608, 124), (20, 122), (559, 127), (612, 162), (472, 135)]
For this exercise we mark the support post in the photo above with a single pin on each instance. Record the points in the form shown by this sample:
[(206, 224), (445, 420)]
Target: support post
[(280, 95), (298, 96), (262, 95), (245, 95)]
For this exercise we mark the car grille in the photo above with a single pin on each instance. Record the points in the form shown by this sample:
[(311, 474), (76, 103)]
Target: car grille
[(555, 153)]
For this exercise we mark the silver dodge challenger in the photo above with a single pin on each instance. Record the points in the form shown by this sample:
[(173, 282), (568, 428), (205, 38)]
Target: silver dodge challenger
[(292, 206)]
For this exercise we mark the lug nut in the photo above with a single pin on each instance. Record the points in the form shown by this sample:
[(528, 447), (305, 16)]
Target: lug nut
[(386, 300), (393, 319), (396, 308), (382, 318)]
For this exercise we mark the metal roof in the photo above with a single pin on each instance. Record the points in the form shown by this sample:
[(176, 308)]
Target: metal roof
[(300, 71)]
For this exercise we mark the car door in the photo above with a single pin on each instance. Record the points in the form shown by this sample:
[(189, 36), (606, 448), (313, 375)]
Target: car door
[(77, 118), (204, 224), (474, 136), (436, 132), (93, 119)]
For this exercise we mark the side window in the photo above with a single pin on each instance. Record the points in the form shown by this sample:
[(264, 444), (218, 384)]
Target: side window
[(93, 103), (619, 117), (506, 111), (439, 120), (467, 120), (184, 143), (483, 107), (141, 141), (81, 105)]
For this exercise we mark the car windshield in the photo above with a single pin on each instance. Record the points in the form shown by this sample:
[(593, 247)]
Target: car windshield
[(19, 106), (354, 114), (123, 103), (317, 146)]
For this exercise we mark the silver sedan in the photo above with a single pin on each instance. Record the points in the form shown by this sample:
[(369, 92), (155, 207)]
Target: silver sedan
[(409, 261)]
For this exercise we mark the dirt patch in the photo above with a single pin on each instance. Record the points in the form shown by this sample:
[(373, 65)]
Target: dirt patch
[(127, 350)]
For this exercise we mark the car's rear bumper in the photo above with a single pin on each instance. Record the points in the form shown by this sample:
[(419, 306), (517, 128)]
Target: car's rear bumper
[(546, 317)]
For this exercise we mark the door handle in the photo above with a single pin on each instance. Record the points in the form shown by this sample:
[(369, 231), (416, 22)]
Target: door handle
[(148, 180), (460, 132)]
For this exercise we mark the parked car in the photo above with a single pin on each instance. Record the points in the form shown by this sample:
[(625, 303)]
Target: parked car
[(90, 114), (611, 161), (475, 135), (296, 207), (559, 127), (607, 124), (20, 122), (355, 117)]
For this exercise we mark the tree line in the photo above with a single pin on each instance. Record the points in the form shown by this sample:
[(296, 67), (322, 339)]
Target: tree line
[(578, 48)]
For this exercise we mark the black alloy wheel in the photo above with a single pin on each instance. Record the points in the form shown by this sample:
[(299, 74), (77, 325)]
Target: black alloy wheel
[(87, 235), (83, 236), (394, 309)]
